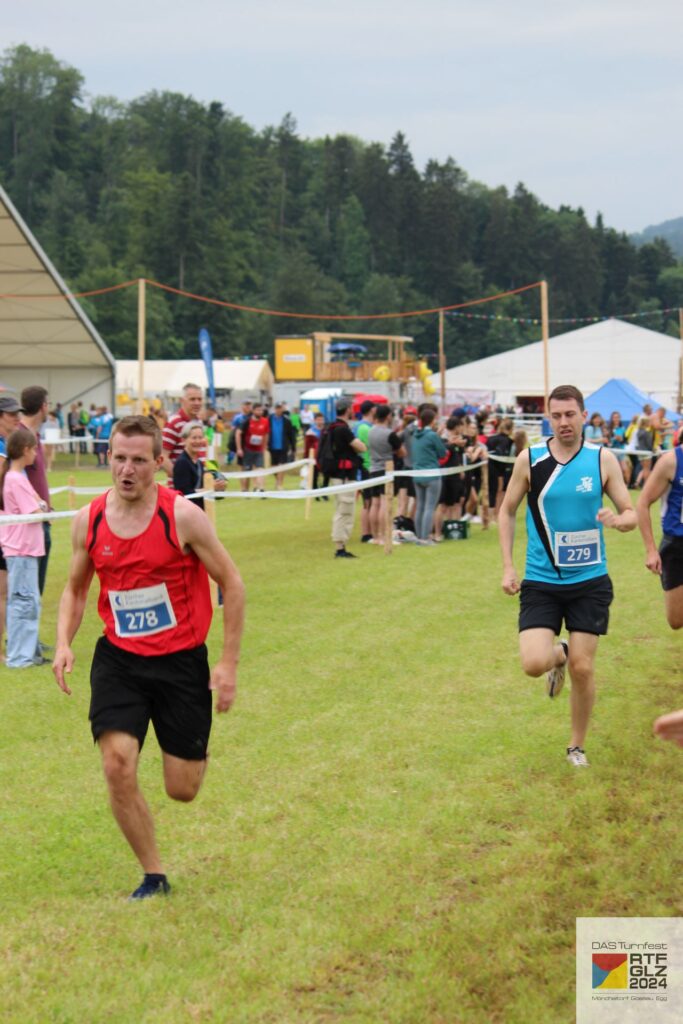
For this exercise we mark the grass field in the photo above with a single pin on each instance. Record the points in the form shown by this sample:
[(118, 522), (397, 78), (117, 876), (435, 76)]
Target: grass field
[(388, 830)]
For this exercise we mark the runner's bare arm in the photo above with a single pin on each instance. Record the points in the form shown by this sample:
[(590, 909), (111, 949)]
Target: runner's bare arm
[(514, 495), (670, 727), (657, 482), (74, 597), (195, 530), (624, 519)]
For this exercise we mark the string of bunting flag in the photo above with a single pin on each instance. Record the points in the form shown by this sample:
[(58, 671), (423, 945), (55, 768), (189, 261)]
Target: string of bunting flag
[(562, 320)]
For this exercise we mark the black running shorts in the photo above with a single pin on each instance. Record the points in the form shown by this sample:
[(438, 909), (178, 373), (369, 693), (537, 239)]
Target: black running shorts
[(584, 607), (405, 483), (671, 551), (172, 690), (452, 489), (378, 491)]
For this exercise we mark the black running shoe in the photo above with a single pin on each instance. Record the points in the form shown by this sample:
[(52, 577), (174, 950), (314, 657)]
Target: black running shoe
[(556, 676), (152, 885), (343, 553)]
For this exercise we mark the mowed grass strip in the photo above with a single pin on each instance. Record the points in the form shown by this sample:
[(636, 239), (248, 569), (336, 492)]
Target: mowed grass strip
[(388, 830)]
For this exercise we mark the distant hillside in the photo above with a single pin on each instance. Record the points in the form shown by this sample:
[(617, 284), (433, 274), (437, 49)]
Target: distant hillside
[(671, 230)]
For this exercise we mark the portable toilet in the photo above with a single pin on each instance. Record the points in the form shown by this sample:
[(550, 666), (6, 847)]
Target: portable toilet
[(322, 400)]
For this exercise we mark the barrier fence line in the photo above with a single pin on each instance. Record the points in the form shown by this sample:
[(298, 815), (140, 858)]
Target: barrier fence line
[(294, 494), (247, 474)]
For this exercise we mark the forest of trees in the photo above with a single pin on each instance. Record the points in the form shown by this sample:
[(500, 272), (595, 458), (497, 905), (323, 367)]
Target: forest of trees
[(187, 194)]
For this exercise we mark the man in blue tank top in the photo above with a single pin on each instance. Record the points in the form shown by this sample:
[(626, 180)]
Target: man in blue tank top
[(666, 482), (566, 570)]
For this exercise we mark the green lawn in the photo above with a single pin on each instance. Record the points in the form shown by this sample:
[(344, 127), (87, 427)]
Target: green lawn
[(388, 830)]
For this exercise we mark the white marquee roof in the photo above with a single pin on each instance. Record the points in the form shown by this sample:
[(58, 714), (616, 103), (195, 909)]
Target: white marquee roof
[(587, 358), (169, 376), (47, 341)]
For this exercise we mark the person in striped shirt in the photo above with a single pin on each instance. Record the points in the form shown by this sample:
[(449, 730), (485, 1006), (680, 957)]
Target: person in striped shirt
[(191, 405)]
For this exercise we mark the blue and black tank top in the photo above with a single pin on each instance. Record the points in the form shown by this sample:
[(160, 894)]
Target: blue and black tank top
[(565, 540)]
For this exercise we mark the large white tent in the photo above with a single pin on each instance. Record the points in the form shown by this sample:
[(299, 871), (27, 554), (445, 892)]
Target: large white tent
[(586, 357), (165, 378), (48, 341)]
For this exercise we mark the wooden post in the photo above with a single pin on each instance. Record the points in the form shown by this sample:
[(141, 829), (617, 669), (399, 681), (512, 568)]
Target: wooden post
[(141, 343), (546, 338), (72, 497), (309, 487), (442, 364), (209, 484), (485, 495), (389, 510)]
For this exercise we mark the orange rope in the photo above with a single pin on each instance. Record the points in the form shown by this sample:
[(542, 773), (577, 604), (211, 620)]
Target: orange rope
[(274, 312), (338, 316), (72, 295)]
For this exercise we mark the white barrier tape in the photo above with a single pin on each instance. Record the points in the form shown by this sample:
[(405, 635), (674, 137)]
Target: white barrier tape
[(450, 471), (247, 474), (78, 490), (296, 492), (353, 485), (37, 517), (499, 458), (70, 440)]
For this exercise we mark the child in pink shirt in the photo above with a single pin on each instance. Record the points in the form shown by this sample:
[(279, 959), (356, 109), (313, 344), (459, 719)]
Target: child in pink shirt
[(22, 544)]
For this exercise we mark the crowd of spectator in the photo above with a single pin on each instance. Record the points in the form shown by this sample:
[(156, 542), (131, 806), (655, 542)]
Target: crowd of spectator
[(419, 442)]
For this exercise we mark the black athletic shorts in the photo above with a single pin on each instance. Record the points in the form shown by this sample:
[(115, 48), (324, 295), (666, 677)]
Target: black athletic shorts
[(278, 458), (473, 480), (378, 491), (583, 606), (172, 690), (452, 489), (3, 563), (671, 551), (405, 483)]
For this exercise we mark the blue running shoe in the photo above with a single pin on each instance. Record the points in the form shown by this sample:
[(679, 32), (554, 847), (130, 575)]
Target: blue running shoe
[(152, 885)]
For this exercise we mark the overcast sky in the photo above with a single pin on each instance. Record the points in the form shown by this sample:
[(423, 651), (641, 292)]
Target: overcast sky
[(583, 102)]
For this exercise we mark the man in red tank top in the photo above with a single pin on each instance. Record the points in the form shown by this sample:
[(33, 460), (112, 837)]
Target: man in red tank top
[(151, 549)]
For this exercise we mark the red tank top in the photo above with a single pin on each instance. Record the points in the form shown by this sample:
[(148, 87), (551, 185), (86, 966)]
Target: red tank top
[(256, 433), (154, 599)]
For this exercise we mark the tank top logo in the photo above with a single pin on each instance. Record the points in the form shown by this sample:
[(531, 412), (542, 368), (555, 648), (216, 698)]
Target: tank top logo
[(586, 485)]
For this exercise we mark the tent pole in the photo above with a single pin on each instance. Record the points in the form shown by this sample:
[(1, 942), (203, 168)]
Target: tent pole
[(442, 364), (546, 335), (141, 344)]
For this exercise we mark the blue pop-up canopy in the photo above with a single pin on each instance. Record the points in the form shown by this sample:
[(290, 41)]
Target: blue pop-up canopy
[(619, 395)]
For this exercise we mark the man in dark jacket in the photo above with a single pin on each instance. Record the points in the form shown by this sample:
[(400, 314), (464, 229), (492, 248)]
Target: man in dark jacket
[(281, 440), (346, 449)]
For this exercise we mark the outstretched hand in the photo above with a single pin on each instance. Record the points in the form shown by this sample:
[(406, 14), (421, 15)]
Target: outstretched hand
[(510, 583), (607, 516), (224, 682), (63, 664), (670, 727), (653, 562)]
